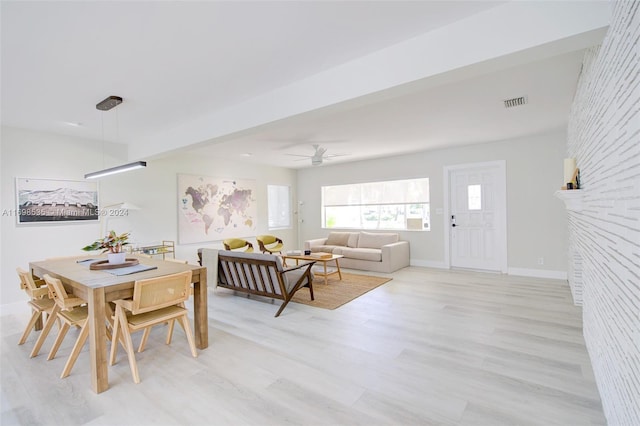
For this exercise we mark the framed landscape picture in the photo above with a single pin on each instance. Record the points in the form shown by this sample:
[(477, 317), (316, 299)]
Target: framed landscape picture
[(55, 201)]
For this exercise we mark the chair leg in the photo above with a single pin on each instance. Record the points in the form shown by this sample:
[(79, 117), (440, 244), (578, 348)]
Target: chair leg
[(32, 322), (310, 285), (45, 331), (124, 326), (170, 331), (109, 314), (172, 324), (284, 304), (58, 342), (115, 335), (295, 288), (77, 347), (187, 329), (181, 325), (145, 336), (147, 331)]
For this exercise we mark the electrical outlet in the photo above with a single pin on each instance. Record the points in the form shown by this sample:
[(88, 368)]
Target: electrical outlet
[(541, 261)]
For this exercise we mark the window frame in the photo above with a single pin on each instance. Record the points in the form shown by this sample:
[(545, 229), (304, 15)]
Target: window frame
[(289, 214), (358, 210)]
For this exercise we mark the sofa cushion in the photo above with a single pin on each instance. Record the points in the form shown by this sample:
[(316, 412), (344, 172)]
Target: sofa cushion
[(353, 239), (370, 254), (292, 277), (325, 248), (376, 241), (337, 239)]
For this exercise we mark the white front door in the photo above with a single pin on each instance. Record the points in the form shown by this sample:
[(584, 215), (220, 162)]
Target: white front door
[(477, 216)]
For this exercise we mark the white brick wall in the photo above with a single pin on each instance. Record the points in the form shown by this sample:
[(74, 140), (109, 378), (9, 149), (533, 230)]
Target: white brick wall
[(604, 137)]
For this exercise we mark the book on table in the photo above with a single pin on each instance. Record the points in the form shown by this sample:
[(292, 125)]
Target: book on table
[(321, 255)]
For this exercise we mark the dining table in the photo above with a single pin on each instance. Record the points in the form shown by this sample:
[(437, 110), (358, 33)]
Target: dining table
[(98, 287)]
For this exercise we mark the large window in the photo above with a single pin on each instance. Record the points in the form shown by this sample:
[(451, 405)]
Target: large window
[(279, 201), (398, 204)]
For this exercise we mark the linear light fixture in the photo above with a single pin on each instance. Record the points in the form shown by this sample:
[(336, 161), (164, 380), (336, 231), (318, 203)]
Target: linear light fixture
[(105, 105), (115, 170)]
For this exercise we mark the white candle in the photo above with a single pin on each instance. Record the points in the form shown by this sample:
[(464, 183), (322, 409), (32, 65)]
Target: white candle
[(569, 168)]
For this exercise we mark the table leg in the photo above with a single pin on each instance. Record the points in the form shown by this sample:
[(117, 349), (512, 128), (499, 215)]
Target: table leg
[(97, 340), (324, 264), (201, 324), (338, 267)]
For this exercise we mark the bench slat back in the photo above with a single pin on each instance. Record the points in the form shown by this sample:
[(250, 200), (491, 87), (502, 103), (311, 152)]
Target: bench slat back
[(256, 276)]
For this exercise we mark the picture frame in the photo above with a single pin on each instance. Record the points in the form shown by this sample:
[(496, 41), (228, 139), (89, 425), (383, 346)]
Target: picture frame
[(213, 208), (47, 201)]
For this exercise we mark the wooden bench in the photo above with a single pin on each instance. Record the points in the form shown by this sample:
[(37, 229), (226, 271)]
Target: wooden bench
[(263, 275)]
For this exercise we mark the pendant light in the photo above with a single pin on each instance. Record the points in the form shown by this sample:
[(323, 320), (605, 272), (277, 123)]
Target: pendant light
[(106, 105)]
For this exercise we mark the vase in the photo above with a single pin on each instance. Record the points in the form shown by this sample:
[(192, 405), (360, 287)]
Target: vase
[(116, 258)]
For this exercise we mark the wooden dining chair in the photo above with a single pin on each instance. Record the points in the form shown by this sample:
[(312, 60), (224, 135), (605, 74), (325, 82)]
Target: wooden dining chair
[(41, 305), (155, 300), (73, 312), (147, 331)]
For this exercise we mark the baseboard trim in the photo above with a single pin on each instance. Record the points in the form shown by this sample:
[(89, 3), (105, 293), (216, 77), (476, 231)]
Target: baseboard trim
[(538, 273), (523, 272), (428, 264)]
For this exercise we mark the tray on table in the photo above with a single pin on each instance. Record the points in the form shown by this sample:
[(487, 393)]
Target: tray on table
[(104, 264)]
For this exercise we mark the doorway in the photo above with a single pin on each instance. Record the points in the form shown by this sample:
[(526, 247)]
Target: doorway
[(476, 216)]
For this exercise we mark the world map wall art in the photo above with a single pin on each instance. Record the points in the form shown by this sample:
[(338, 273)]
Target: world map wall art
[(211, 209)]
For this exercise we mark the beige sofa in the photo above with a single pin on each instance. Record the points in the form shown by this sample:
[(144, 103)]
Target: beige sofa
[(379, 252)]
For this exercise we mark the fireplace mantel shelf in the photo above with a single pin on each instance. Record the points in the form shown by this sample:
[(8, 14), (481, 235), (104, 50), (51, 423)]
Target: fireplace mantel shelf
[(572, 198)]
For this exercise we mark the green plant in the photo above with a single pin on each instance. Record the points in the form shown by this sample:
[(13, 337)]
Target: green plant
[(112, 243)]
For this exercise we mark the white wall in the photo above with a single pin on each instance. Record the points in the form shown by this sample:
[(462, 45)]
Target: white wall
[(537, 226), (39, 155), (45, 156), (604, 131), (155, 191)]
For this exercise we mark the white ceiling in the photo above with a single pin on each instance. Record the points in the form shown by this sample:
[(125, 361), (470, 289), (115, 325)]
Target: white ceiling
[(173, 61)]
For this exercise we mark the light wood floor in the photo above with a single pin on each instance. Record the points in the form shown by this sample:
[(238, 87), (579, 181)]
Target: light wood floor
[(428, 348)]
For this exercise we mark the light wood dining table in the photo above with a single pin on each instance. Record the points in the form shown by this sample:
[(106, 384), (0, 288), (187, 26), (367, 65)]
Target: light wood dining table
[(99, 287)]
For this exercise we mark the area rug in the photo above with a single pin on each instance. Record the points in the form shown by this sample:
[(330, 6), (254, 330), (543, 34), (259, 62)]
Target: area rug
[(338, 292)]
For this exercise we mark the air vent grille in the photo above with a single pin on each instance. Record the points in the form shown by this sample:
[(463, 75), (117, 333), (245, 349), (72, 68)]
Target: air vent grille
[(514, 102)]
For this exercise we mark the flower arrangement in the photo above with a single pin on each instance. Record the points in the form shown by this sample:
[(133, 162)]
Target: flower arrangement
[(112, 243)]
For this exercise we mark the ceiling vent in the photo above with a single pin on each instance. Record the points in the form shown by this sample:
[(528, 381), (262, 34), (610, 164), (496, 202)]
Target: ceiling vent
[(514, 102)]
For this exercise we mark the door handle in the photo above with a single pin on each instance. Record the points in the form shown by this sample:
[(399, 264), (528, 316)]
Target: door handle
[(453, 220)]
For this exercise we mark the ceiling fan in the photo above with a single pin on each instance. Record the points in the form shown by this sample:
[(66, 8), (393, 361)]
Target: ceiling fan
[(319, 155)]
